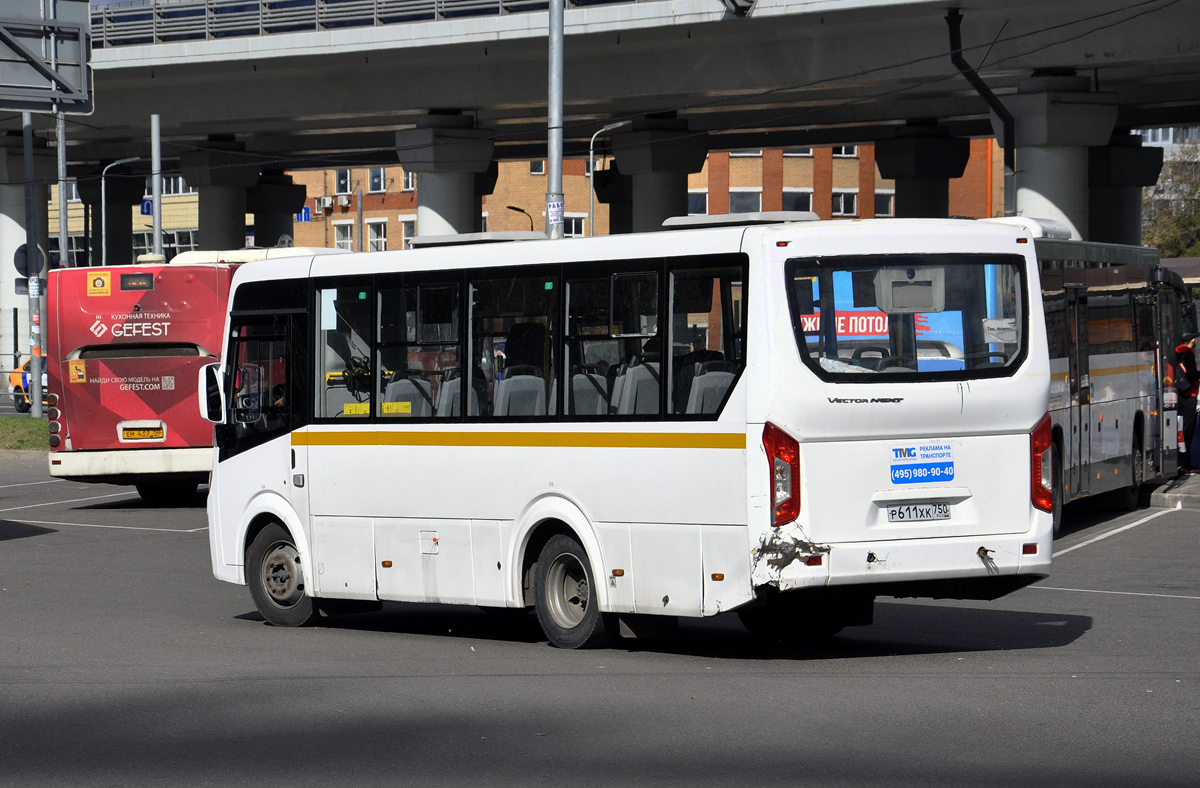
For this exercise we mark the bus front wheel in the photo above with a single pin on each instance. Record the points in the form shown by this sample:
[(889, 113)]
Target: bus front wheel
[(276, 579), (565, 598)]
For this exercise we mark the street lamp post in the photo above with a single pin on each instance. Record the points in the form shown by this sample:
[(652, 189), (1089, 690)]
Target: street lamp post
[(104, 209), (592, 173), (521, 210)]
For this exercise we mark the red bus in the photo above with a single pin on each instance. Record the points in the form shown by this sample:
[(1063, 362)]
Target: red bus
[(124, 348)]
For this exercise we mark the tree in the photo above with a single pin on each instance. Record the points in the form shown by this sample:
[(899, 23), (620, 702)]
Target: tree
[(1171, 208)]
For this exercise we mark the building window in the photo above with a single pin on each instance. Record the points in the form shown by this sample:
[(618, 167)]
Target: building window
[(745, 201), (171, 184), (797, 151), (343, 236), (483, 222), (173, 242), (885, 204), (377, 179), (72, 191), (341, 181), (408, 230), (377, 236), (573, 225), (410, 181), (697, 203), (797, 200), (744, 154), (537, 167), (77, 255), (844, 204), (845, 151)]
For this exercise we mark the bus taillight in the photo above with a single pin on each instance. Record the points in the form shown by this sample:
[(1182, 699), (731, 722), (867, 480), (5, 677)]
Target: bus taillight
[(1040, 445), (783, 453)]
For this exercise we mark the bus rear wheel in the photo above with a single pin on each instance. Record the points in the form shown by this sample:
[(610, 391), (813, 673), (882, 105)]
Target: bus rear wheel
[(564, 597), (163, 493), (1131, 494), (276, 579)]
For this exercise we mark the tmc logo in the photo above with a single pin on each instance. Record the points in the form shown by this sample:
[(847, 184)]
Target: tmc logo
[(98, 329), (904, 454)]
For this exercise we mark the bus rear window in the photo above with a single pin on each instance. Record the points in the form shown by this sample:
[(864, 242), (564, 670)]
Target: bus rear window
[(162, 350), (945, 317)]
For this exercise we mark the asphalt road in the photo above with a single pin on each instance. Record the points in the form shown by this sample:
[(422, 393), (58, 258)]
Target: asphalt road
[(123, 662)]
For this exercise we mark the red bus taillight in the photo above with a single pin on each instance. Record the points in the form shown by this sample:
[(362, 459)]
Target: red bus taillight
[(783, 454), (1040, 444)]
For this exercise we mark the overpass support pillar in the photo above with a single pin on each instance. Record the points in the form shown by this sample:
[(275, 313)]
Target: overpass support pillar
[(221, 177), (12, 235), (273, 201), (922, 159), (1116, 175), (1057, 120), (114, 224), (616, 191), (446, 152), (658, 154)]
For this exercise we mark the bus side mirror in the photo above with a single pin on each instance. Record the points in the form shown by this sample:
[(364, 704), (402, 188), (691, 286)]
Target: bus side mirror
[(212, 399)]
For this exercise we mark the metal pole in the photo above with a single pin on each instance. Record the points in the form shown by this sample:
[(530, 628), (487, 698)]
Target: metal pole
[(592, 173), (156, 179), (32, 258), (358, 199), (104, 208), (60, 138), (554, 130)]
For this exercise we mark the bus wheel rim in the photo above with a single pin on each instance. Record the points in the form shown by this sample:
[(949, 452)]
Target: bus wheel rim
[(568, 592), (282, 577)]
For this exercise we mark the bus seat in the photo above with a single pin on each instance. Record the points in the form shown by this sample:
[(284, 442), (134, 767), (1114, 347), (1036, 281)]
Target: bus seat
[(418, 393), (618, 387), (640, 393), (708, 390), (520, 395), (589, 393), (686, 368), (449, 399)]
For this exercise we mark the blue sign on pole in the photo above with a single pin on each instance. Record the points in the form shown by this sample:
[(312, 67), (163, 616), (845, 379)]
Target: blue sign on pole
[(148, 207), (305, 214)]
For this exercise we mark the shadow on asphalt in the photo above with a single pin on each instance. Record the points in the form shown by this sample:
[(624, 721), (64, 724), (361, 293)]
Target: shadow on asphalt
[(900, 628), (10, 529), (133, 502)]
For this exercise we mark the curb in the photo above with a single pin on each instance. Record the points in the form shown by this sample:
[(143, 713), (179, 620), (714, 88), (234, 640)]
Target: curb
[(1181, 493)]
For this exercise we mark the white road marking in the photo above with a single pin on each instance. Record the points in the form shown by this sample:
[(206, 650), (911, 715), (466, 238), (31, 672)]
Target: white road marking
[(121, 527), (1122, 593), (1113, 532), (72, 500), (28, 484)]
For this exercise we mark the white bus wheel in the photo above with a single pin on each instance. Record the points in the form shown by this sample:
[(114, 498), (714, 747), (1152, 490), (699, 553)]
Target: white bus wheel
[(277, 580), (565, 598)]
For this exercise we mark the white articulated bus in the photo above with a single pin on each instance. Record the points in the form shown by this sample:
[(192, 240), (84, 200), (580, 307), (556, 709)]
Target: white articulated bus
[(786, 419), (1114, 317)]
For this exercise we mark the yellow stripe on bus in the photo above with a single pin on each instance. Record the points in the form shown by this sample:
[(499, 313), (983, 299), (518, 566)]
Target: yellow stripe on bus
[(589, 440)]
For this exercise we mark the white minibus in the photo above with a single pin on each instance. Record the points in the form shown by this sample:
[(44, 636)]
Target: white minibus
[(783, 419)]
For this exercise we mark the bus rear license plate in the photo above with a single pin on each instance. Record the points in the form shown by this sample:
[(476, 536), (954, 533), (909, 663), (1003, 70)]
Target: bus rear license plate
[(142, 434), (918, 512)]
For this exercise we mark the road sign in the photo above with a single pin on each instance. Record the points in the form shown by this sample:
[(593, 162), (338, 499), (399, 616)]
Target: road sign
[(305, 214), (28, 78), (22, 264), (148, 207)]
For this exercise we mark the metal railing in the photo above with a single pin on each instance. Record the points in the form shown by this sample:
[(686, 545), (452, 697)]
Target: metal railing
[(166, 21)]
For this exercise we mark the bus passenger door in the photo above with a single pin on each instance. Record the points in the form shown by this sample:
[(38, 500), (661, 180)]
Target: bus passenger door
[(1081, 397)]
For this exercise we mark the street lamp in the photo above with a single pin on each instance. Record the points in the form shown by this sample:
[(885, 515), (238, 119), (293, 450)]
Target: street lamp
[(519, 210), (104, 208), (592, 173)]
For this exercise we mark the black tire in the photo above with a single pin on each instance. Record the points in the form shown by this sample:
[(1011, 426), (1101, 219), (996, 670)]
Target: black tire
[(167, 493), (1056, 476), (276, 579), (1131, 494), (19, 402), (565, 606)]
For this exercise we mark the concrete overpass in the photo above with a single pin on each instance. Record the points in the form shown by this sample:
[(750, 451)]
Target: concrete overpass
[(447, 94)]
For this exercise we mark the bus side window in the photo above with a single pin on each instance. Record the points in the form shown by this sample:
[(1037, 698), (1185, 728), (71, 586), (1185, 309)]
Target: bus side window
[(345, 316), (706, 338), (514, 323), (418, 352)]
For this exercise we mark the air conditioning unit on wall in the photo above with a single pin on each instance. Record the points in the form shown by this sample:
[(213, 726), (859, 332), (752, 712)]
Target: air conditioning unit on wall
[(321, 203), (343, 200)]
